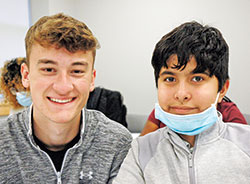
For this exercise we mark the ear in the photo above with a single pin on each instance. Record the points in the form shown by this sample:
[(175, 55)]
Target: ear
[(92, 84), (223, 91), (25, 75)]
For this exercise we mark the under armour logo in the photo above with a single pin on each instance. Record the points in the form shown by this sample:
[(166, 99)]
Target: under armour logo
[(86, 176)]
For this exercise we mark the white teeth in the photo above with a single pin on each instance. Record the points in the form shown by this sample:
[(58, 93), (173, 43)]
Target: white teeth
[(61, 101)]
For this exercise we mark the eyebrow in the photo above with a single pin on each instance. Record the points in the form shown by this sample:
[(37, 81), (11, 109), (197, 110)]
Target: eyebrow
[(172, 73), (47, 61), (167, 73), (205, 72), (83, 63)]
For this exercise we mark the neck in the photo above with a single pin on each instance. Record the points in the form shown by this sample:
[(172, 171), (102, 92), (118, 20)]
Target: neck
[(189, 138), (55, 136)]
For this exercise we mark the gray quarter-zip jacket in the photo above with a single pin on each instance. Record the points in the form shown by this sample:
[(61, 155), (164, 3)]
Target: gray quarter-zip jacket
[(96, 158), (221, 155)]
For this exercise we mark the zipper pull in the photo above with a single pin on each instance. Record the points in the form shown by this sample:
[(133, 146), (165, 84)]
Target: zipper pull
[(59, 179), (190, 160)]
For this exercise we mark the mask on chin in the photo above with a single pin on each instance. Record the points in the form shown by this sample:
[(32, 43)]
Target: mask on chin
[(191, 124)]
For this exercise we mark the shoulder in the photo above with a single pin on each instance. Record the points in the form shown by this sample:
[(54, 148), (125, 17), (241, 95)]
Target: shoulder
[(4, 129), (239, 129), (13, 144), (149, 142), (153, 138), (236, 128), (10, 123), (13, 125), (106, 127), (146, 146), (9, 134), (7, 123), (239, 135)]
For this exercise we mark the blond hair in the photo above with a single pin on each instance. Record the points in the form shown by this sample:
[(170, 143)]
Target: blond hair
[(61, 31)]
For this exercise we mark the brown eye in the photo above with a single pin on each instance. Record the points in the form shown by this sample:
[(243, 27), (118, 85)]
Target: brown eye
[(77, 71), (170, 79), (48, 70), (197, 79)]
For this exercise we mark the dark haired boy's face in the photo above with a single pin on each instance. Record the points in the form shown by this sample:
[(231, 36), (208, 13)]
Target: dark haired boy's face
[(183, 91)]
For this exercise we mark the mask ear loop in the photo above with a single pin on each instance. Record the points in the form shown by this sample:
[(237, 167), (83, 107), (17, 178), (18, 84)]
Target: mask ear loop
[(216, 100), (217, 97), (13, 91)]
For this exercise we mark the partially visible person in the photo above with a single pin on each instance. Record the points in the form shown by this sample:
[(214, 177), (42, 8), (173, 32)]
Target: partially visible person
[(57, 140), (110, 103), (228, 109), (11, 84), (191, 75)]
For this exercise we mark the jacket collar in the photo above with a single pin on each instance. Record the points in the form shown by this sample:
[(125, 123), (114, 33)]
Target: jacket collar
[(213, 133), (27, 117)]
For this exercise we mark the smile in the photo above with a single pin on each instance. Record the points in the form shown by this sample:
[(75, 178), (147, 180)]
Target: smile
[(62, 101)]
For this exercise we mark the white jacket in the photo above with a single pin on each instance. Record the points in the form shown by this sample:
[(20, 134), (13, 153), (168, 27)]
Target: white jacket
[(221, 155)]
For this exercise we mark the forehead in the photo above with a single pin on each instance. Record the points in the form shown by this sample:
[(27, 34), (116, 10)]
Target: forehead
[(59, 55), (172, 62)]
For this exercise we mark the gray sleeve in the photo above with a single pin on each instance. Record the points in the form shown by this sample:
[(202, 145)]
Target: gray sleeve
[(130, 171)]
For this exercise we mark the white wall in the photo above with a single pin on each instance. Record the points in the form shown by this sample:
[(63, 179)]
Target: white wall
[(129, 29), (14, 22)]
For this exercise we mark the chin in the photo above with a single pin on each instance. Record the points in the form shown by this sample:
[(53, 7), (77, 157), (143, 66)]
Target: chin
[(62, 117), (61, 120)]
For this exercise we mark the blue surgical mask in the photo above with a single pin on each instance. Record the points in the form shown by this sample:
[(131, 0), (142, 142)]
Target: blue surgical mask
[(191, 124), (23, 99)]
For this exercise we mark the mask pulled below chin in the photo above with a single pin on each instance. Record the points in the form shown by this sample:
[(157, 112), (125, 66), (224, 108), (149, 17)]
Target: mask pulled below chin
[(191, 124)]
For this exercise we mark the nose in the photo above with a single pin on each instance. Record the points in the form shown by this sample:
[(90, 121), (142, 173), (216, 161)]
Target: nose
[(63, 85), (182, 93)]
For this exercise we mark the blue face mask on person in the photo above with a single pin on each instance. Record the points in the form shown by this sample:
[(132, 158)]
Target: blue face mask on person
[(191, 124), (23, 98)]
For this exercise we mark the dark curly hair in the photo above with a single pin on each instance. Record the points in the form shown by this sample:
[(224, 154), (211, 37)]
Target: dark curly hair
[(11, 79), (205, 43)]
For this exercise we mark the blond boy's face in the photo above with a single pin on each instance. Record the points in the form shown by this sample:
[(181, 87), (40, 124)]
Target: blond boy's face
[(59, 82)]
